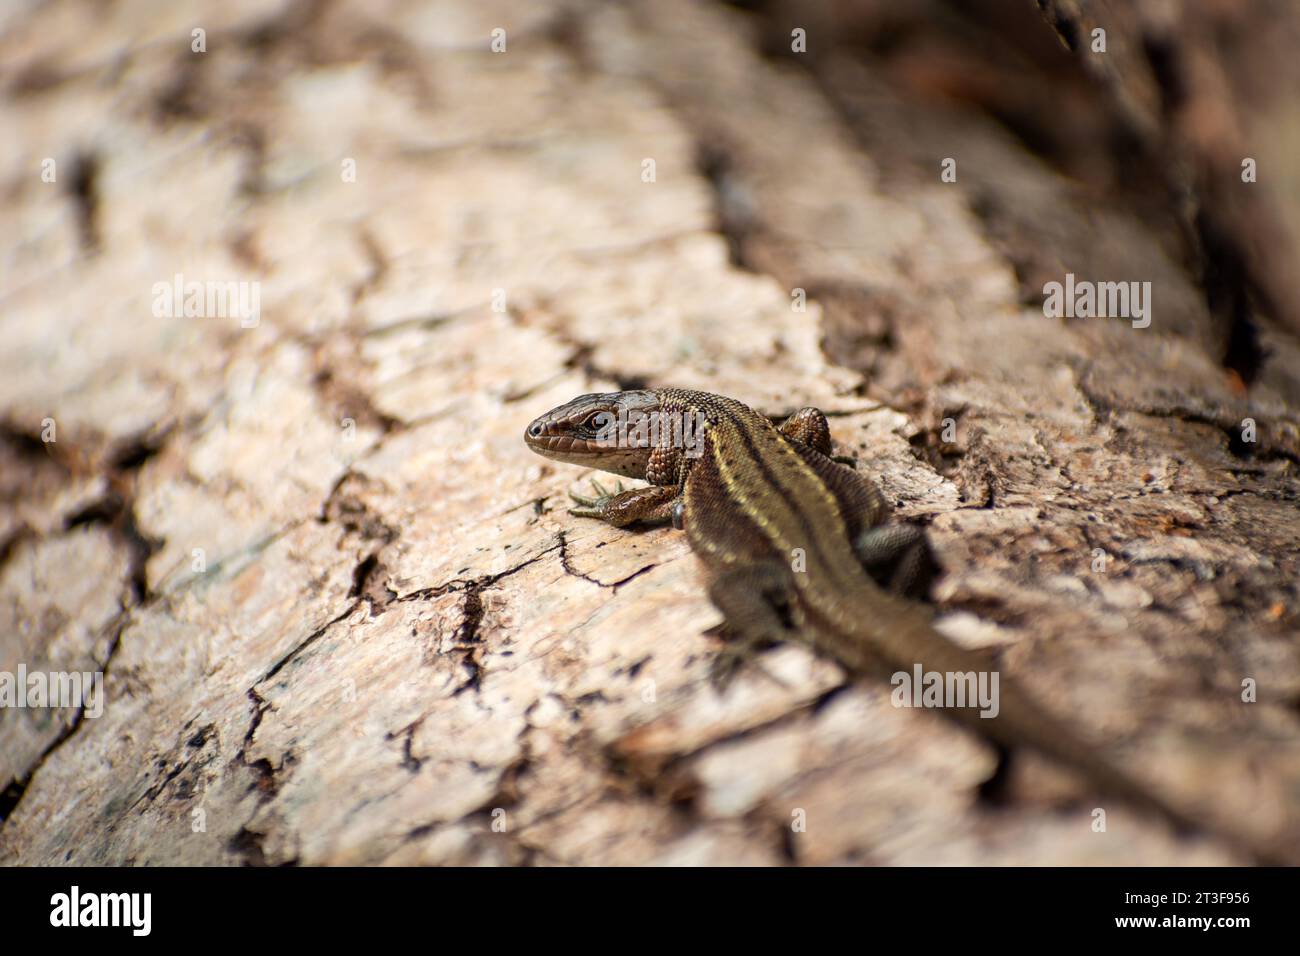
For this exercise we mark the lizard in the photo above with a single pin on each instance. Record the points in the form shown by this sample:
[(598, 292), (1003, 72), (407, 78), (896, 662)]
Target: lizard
[(799, 546)]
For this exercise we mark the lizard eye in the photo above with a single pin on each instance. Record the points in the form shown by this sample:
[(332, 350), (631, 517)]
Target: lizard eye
[(595, 421)]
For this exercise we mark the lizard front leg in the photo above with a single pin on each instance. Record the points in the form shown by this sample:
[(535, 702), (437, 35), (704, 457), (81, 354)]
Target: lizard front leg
[(809, 427), (652, 505)]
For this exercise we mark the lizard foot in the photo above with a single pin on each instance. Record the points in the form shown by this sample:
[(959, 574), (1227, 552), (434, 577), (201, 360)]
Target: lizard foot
[(735, 656), (594, 507)]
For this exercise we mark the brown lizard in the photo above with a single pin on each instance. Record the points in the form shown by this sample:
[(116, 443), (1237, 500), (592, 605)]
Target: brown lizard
[(797, 546)]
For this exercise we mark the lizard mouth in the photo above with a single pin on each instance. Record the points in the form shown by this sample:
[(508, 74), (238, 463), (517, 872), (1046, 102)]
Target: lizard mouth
[(554, 445), (591, 430), (541, 437), (550, 440)]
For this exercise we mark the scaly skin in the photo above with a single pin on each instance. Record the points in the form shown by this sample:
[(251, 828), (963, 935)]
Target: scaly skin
[(758, 497)]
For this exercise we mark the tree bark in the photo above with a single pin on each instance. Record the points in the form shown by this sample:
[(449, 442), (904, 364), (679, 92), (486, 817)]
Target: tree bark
[(341, 613)]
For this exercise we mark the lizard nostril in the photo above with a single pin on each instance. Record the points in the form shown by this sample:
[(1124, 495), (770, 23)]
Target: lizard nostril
[(535, 429)]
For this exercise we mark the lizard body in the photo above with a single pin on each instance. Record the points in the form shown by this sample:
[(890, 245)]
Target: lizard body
[(752, 497)]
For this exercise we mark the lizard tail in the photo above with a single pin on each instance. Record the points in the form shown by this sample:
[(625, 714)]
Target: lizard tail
[(1020, 722)]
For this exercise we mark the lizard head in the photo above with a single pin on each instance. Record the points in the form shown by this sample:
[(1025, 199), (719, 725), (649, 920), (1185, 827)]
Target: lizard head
[(600, 430)]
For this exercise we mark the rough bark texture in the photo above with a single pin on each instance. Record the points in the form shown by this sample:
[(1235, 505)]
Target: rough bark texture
[(341, 610)]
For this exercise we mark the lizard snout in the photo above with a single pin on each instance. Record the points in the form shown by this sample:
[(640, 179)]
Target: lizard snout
[(542, 436)]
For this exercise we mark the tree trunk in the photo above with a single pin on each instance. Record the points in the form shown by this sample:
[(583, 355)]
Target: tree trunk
[(341, 613)]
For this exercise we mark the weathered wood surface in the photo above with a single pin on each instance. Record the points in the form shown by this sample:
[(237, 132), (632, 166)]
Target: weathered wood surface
[(399, 648)]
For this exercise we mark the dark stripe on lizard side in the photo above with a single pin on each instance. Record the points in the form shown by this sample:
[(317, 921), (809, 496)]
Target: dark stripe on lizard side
[(792, 500)]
